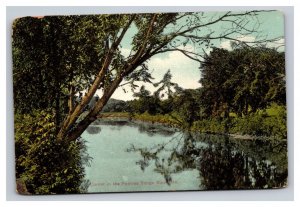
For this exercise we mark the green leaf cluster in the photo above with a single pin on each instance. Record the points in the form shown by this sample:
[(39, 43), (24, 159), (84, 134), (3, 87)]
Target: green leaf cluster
[(43, 164), (243, 80)]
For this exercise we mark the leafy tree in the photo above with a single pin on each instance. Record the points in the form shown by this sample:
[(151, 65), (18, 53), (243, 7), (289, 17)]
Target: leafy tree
[(262, 71), (73, 35), (54, 53), (167, 85), (50, 55), (188, 107), (156, 34), (243, 79), (143, 102), (114, 105), (215, 71), (162, 99)]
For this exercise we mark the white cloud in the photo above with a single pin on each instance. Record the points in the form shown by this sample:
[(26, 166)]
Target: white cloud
[(247, 38), (125, 51), (279, 44), (185, 71), (227, 43)]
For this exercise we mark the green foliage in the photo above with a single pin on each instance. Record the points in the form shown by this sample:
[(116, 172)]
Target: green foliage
[(145, 102), (45, 165), (211, 125), (191, 109), (167, 119), (166, 85), (187, 106), (263, 124), (243, 80), (114, 105), (256, 124), (252, 124), (57, 52), (140, 74), (63, 55), (267, 123), (30, 61)]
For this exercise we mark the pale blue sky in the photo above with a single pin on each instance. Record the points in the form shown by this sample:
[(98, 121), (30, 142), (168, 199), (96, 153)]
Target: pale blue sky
[(186, 71)]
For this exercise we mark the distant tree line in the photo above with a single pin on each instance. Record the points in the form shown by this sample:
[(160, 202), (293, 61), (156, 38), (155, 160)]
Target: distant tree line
[(243, 91), (241, 81)]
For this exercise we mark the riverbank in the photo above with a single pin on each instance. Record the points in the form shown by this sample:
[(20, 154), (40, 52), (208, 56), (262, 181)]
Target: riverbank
[(160, 120), (150, 125), (253, 126)]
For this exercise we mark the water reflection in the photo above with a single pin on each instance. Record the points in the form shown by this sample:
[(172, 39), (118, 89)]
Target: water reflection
[(143, 127), (222, 162), (152, 129), (93, 129)]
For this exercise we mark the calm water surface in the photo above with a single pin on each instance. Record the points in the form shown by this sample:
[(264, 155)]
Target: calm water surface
[(143, 157)]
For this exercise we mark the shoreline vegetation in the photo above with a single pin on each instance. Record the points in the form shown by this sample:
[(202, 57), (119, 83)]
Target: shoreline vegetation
[(271, 122)]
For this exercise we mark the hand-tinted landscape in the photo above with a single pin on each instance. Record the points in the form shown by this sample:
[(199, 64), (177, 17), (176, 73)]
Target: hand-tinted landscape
[(150, 102)]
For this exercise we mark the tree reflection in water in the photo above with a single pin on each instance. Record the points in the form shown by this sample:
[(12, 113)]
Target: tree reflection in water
[(93, 129), (222, 162)]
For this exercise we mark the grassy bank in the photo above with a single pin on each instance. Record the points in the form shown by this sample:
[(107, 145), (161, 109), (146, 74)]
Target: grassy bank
[(270, 122), (166, 119), (114, 114)]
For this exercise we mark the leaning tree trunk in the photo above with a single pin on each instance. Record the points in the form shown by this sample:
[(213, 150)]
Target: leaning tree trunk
[(72, 129)]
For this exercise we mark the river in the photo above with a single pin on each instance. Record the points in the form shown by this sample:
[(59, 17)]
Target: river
[(145, 157)]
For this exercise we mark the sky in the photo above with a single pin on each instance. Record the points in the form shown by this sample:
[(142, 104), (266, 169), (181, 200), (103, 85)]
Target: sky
[(185, 72)]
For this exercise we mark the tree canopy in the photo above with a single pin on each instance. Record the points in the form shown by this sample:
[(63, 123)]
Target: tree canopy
[(244, 79), (65, 55)]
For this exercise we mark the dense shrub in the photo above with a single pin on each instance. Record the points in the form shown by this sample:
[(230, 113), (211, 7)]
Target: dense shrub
[(43, 164), (167, 119), (270, 123), (212, 125), (251, 124)]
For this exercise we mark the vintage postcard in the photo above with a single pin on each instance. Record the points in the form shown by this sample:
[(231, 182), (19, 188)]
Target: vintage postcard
[(150, 102)]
